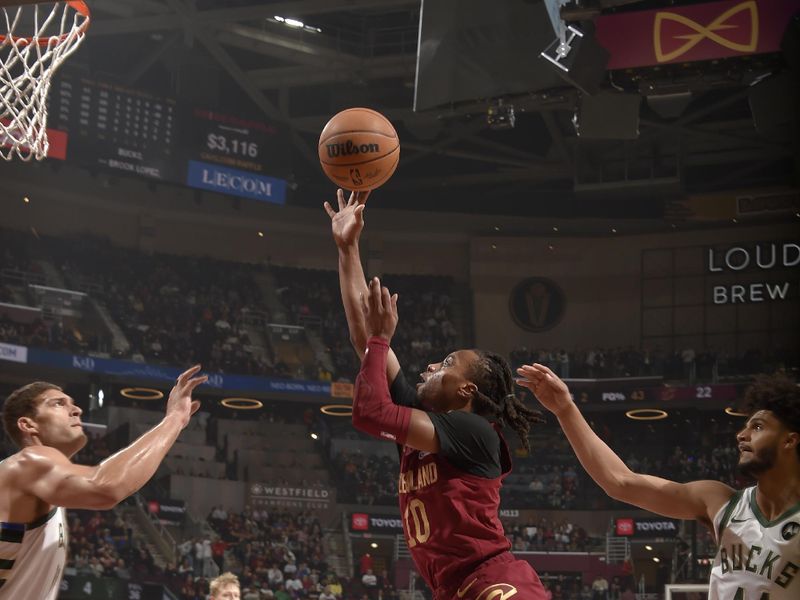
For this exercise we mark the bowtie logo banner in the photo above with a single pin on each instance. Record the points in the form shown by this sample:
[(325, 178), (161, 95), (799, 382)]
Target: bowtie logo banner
[(695, 32), (667, 25)]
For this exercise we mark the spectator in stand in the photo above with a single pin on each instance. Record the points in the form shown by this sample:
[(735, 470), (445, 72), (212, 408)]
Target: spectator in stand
[(275, 576), (365, 563), (294, 586), (600, 588), (689, 366), (218, 552), (563, 364), (327, 594), (121, 571), (369, 581)]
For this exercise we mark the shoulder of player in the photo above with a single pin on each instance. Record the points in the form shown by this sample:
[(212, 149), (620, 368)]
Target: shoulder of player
[(714, 491), (715, 495), (34, 460), (471, 423)]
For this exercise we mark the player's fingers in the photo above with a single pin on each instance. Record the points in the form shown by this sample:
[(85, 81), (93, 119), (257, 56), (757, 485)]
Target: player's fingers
[(534, 370), (386, 299), (525, 383), (394, 304), (183, 377), (359, 213), (329, 209), (544, 369), (195, 406), (195, 381), (361, 197), (375, 294), (340, 198), (530, 372)]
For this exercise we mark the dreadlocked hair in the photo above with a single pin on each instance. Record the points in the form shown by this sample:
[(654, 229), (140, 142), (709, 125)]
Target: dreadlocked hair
[(778, 394), (495, 399)]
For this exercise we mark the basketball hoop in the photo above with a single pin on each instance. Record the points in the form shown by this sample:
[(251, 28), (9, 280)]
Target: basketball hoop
[(34, 42)]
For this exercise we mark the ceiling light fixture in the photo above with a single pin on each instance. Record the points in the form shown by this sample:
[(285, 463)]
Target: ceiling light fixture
[(295, 24)]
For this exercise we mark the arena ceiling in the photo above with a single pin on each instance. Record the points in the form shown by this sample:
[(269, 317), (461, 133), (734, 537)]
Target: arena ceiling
[(232, 52)]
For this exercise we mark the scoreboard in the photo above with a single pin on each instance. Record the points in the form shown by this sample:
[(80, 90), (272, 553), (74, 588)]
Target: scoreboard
[(132, 131), (115, 127)]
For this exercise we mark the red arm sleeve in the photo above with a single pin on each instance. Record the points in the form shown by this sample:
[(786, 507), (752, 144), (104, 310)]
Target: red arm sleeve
[(373, 410)]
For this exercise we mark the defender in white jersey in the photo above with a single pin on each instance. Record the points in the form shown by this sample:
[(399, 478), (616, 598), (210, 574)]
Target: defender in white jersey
[(757, 529), (757, 558), (40, 481)]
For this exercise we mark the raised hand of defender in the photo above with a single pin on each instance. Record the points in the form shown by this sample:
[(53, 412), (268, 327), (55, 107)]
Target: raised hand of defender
[(380, 310), (180, 401), (546, 386), (347, 224)]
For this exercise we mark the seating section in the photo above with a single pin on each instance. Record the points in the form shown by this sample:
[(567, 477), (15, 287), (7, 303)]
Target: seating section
[(550, 477), (427, 330)]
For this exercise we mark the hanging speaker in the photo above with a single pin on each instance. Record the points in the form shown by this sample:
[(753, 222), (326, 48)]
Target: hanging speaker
[(609, 116)]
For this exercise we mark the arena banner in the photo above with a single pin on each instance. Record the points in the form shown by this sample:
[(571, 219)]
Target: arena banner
[(235, 182), (268, 495), (169, 512), (695, 32), (245, 143), (13, 353), (130, 369), (646, 527), (369, 523), (632, 392), (585, 391), (342, 389), (393, 524), (75, 587)]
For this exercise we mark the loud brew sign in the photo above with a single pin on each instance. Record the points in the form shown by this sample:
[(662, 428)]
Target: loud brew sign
[(771, 270)]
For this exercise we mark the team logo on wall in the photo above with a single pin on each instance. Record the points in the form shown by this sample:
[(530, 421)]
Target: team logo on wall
[(685, 33), (790, 530), (537, 304)]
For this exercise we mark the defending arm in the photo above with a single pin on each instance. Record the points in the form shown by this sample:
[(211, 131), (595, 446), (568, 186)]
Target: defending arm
[(373, 410)]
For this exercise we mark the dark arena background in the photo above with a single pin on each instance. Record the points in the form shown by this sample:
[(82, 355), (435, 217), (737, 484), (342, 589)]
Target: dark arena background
[(627, 213)]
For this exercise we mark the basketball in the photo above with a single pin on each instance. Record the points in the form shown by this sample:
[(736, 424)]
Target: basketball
[(359, 149)]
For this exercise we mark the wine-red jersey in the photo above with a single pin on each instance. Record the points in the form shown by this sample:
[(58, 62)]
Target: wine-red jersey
[(450, 517)]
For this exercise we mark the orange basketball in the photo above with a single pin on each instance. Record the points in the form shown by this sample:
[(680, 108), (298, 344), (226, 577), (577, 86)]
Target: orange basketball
[(359, 149)]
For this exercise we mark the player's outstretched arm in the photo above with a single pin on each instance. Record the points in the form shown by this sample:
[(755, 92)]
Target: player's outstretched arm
[(373, 410), (696, 500), (347, 225), (47, 474)]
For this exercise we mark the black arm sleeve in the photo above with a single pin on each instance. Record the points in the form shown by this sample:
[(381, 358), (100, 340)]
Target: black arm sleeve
[(468, 442), (403, 393)]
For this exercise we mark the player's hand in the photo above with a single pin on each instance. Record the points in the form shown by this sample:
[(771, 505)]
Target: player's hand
[(546, 386), (347, 224), (380, 310), (180, 403)]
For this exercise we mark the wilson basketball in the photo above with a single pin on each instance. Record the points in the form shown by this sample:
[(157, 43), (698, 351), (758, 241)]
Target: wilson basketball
[(359, 149)]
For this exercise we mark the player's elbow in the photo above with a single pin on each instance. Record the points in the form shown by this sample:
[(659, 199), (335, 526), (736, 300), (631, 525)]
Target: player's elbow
[(358, 419), (362, 419), (105, 492), (622, 487)]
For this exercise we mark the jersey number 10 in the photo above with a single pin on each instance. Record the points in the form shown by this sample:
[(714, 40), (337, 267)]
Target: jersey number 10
[(419, 534)]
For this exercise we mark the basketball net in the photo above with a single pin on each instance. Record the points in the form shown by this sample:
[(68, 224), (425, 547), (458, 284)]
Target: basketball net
[(33, 46)]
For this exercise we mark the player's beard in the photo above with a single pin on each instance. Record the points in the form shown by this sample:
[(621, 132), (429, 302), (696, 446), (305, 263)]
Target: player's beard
[(761, 461)]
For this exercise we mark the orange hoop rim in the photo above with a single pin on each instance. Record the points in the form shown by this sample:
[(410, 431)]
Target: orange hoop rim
[(79, 6)]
